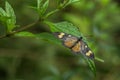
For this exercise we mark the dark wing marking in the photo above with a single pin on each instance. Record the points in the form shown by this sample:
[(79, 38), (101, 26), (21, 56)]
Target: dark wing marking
[(85, 50)]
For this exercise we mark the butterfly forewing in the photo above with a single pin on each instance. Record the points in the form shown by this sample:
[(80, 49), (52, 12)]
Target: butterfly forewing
[(68, 40)]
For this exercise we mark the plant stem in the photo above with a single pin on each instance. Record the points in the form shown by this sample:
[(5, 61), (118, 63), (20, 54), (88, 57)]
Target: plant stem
[(21, 29), (51, 13), (98, 59), (30, 25)]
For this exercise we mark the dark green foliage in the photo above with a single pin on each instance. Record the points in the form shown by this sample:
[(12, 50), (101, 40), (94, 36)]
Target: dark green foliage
[(31, 52), (66, 27), (8, 17)]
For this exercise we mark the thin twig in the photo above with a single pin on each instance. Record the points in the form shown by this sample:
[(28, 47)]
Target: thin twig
[(21, 29), (51, 13), (30, 25)]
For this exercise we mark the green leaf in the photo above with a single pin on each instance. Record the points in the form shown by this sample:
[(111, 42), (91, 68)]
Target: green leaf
[(69, 2), (69, 28), (25, 34), (10, 13), (48, 37), (66, 27), (39, 3), (51, 25), (3, 16), (72, 1), (91, 65), (44, 7), (2, 12)]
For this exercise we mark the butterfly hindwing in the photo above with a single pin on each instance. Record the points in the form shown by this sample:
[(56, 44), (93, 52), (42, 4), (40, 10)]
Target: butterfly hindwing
[(85, 50), (77, 45), (76, 48)]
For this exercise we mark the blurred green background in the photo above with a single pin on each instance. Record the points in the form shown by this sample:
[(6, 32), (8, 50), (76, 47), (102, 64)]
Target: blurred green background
[(25, 58)]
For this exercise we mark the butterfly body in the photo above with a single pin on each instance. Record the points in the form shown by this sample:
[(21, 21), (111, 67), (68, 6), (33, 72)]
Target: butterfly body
[(77, 45)]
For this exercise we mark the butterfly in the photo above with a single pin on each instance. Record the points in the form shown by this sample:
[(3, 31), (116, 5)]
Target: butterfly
[(76, 44)]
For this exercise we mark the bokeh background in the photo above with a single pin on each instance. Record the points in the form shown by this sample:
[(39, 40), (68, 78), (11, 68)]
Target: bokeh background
[(25, 58)]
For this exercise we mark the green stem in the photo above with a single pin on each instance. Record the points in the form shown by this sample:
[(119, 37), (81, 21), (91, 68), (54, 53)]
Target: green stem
[(98, 59), (21, 29), (30, 25), (51, 13)]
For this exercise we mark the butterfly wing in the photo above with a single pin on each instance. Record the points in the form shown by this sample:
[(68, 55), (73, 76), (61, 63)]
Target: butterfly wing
[(68, 40), (76, 48), (77, 45), (85, 50)]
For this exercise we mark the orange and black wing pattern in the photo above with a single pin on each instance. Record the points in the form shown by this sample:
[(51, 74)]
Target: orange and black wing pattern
[(86, 50), (77, 45)]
